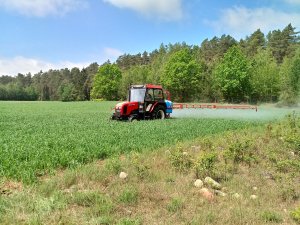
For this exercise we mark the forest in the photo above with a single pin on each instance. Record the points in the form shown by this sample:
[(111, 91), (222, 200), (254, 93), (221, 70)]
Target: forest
[(257, 69)]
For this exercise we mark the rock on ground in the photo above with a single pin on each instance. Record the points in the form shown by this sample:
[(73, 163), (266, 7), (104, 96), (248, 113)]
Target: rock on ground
[(220, 193), (198, 183), (253, 197), (236, 195), (123, 175), (212, 183), (207, 194)]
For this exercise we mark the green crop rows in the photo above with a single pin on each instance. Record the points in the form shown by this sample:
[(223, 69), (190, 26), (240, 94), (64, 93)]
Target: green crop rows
[(38, 137)]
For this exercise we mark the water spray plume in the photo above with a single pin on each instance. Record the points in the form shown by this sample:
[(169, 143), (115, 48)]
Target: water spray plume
[(264, 113)]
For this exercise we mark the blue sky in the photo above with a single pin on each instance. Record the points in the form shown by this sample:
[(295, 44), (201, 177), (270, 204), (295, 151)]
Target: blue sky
[(42, 34)]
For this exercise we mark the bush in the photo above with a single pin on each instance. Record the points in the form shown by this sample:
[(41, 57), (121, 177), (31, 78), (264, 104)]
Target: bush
[(141, 169), (287, 165), (290, 132), (239, 152), (205, 165), (181, 160)]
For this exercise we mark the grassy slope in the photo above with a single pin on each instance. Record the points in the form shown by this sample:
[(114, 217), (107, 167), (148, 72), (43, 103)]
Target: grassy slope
[(159, 188)]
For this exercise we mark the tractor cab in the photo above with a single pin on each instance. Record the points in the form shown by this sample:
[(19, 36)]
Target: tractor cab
[(144, 102)]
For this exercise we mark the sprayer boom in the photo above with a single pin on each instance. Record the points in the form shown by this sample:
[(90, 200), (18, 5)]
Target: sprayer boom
[(211, 106)]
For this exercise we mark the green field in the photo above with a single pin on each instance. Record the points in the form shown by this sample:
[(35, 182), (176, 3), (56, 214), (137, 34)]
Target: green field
[(38, 137)]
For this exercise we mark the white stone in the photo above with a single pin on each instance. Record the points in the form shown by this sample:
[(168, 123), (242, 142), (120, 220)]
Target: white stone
[(211, 182), (220, 193), (236, 195), (253, 197), (254, 188), (198, 183), (123, 175)]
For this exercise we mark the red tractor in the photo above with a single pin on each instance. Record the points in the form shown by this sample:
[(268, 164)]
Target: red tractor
[(144, 102)]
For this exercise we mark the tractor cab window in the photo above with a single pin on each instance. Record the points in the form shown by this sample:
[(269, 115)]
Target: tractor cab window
[(149, 95), (137, 94), (158, 95)]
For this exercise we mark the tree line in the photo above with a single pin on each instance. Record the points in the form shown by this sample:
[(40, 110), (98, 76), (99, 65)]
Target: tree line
[(259, 68), (53, 85)]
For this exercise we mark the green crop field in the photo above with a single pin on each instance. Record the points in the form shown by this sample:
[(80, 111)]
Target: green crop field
[(38, 137)]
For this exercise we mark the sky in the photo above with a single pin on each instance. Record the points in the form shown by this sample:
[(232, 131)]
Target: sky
[(40, 35)]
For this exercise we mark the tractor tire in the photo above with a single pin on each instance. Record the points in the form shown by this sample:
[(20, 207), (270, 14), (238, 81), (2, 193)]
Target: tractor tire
[(132, 119), (159, 113)]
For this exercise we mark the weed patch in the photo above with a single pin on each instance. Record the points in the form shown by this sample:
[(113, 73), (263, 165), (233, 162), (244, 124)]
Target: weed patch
[(175, 205), (270, 216), (129, 196), (295, 214)]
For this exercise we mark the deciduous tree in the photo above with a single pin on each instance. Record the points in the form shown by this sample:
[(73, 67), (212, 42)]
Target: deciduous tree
[(182, 75), (233, 76), (265, 80), (106, 82)]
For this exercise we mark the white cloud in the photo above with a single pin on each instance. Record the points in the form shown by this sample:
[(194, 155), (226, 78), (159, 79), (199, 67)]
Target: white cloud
[(20, 64), (294, 2), (112, 53), (241, 21), (42, 8), (162, 9)]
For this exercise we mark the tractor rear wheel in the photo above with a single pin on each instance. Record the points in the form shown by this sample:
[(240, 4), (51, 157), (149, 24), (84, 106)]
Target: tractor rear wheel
[(159, 113)]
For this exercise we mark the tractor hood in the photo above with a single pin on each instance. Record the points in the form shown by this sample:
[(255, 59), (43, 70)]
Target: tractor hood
[(120, 104), (126, 108)]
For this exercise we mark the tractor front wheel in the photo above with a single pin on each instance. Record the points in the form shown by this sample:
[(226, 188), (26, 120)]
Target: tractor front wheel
[(132, 119), (159, 113)]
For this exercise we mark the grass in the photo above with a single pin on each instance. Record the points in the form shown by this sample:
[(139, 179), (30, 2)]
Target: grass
[(37, 138), (175, 205), (164, 194), (268, 216), (59, 149), (94, 193), (295, 214), (129, 196)]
